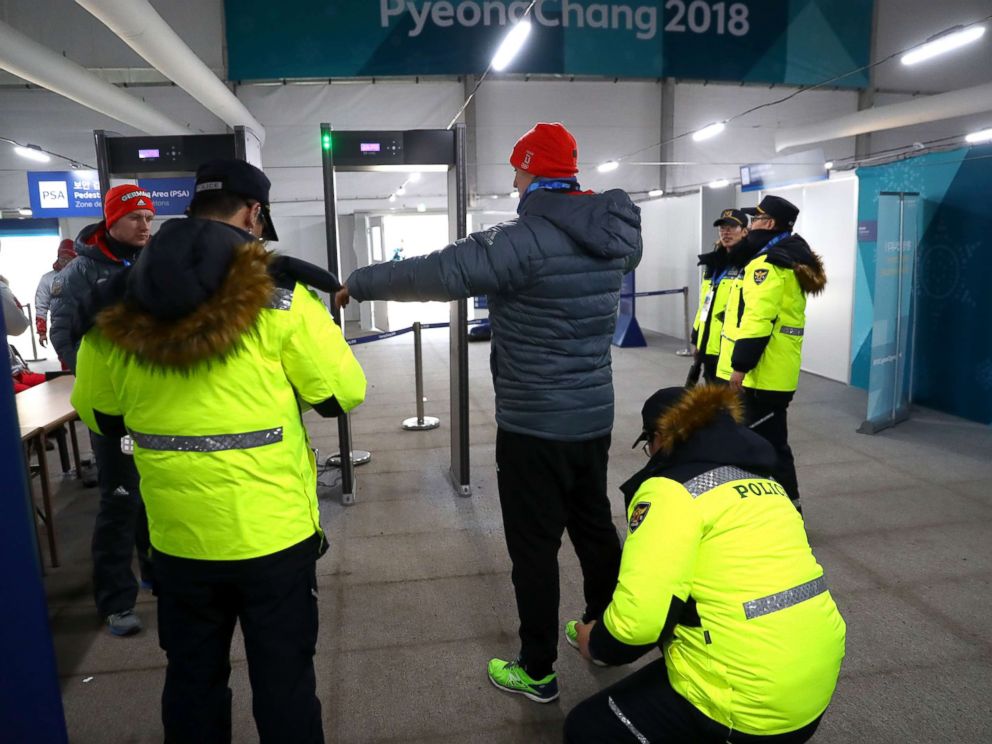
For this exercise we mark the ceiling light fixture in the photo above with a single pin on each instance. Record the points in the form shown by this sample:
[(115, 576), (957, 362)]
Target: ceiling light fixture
[(943, 42), (709, 131)]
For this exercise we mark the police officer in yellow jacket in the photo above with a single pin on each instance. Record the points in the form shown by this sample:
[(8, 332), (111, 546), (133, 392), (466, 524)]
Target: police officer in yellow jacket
[(207, 358), (718, 274), (717, 571), (765, 322)]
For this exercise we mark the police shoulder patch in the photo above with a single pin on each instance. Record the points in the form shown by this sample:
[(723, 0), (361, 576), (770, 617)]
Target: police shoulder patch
[(639, 514), (760, 275)]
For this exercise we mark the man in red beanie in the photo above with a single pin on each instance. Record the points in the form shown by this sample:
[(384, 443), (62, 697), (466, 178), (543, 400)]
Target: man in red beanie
[(104, 250), (553, 279)]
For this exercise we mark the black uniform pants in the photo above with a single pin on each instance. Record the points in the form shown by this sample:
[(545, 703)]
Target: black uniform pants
[(770, 409), (710, 362), (275, 598), (545, 488), (645, 703), (121, 525)]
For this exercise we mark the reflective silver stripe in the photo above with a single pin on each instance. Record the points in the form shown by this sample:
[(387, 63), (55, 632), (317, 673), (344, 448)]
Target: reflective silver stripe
[(775, 602), (626, 722), (282, 299), (716, 477), (791, 331), (208, 442)]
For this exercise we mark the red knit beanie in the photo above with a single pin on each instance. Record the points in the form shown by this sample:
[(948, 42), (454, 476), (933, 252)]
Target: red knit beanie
[(124, 199), (547, 150)]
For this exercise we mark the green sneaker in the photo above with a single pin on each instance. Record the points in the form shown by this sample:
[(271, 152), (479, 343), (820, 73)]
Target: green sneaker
[(572, 636), (510, 676)]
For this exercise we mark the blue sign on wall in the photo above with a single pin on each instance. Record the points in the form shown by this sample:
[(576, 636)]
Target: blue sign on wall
[(65, 193), (170, 196), (953, 348), (787, 170), (797, 42)]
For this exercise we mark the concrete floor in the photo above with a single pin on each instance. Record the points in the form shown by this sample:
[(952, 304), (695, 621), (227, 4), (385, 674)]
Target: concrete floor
[(416, 595)]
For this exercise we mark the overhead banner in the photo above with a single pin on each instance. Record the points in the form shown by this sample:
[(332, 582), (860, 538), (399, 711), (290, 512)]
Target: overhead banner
[(796, 42), (169, 195)]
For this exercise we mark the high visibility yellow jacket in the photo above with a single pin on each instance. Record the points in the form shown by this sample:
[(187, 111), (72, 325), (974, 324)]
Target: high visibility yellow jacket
[(765, 656), (707, 327), (213, 402), (721, 555), (765, 317)]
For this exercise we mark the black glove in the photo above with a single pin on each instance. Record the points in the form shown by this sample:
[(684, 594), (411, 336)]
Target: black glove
[(694, 371)]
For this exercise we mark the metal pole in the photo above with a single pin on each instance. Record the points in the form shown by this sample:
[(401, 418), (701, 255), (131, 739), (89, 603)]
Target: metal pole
[(420, 422), (345, 459), (31, 324), (687, 350), (102, 161), (896, 391), (458, 338), (915, 299)]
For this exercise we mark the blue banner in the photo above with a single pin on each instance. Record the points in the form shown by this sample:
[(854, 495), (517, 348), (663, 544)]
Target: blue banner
[(797, 42), (65, 193), (170, 196), (788, 170)]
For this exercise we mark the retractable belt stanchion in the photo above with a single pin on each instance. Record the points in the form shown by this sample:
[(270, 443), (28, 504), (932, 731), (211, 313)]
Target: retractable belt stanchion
[(419, 422)]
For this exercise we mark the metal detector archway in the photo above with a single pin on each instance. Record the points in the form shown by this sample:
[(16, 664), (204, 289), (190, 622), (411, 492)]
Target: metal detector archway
[(403, 151), (168, 155)]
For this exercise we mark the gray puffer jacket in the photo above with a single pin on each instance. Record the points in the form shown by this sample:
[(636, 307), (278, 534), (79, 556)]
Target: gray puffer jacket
[(553, 279), (95, 263)]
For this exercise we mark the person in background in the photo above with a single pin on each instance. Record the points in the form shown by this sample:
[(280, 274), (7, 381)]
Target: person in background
[(765, 322), (717, 571), (105, 250), (15, 324), (718, 275), (553, 279), (209, 356), (42, 296)]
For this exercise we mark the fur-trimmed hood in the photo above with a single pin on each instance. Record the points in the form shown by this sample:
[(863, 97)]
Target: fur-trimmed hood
[(195, 291), (701, 428)]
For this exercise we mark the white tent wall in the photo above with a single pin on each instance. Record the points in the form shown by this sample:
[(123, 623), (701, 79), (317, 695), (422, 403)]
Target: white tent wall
[(749, 140), (671, 229), (828, 221), (608, 119)]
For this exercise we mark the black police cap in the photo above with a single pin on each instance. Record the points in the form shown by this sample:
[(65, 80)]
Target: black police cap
[(732, 218), (784, 211), (241, 178), (653, 408)]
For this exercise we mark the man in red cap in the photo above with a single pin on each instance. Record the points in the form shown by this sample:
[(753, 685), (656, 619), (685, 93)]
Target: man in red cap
[(552, 278), (104, 250)]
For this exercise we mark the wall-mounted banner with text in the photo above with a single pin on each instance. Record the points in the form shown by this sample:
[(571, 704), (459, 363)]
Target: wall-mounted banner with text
[(796, 42), (65, 193)]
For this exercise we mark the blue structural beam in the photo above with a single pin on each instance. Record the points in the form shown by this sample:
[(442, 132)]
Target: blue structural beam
[(30, 700), (628, 332)]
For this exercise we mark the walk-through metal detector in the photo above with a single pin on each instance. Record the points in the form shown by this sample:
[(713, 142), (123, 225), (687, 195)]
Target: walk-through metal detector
[(397, 152), (168, 155)]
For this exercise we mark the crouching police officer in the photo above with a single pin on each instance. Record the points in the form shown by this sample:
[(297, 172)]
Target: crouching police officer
[(717, 571)]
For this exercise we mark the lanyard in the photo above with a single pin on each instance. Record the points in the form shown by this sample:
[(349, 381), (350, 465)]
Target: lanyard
[(549, 185), (777, 239)]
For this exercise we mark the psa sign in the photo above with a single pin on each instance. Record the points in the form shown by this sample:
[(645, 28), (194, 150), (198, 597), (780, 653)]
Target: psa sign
[(65, 193), (77, 193)]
